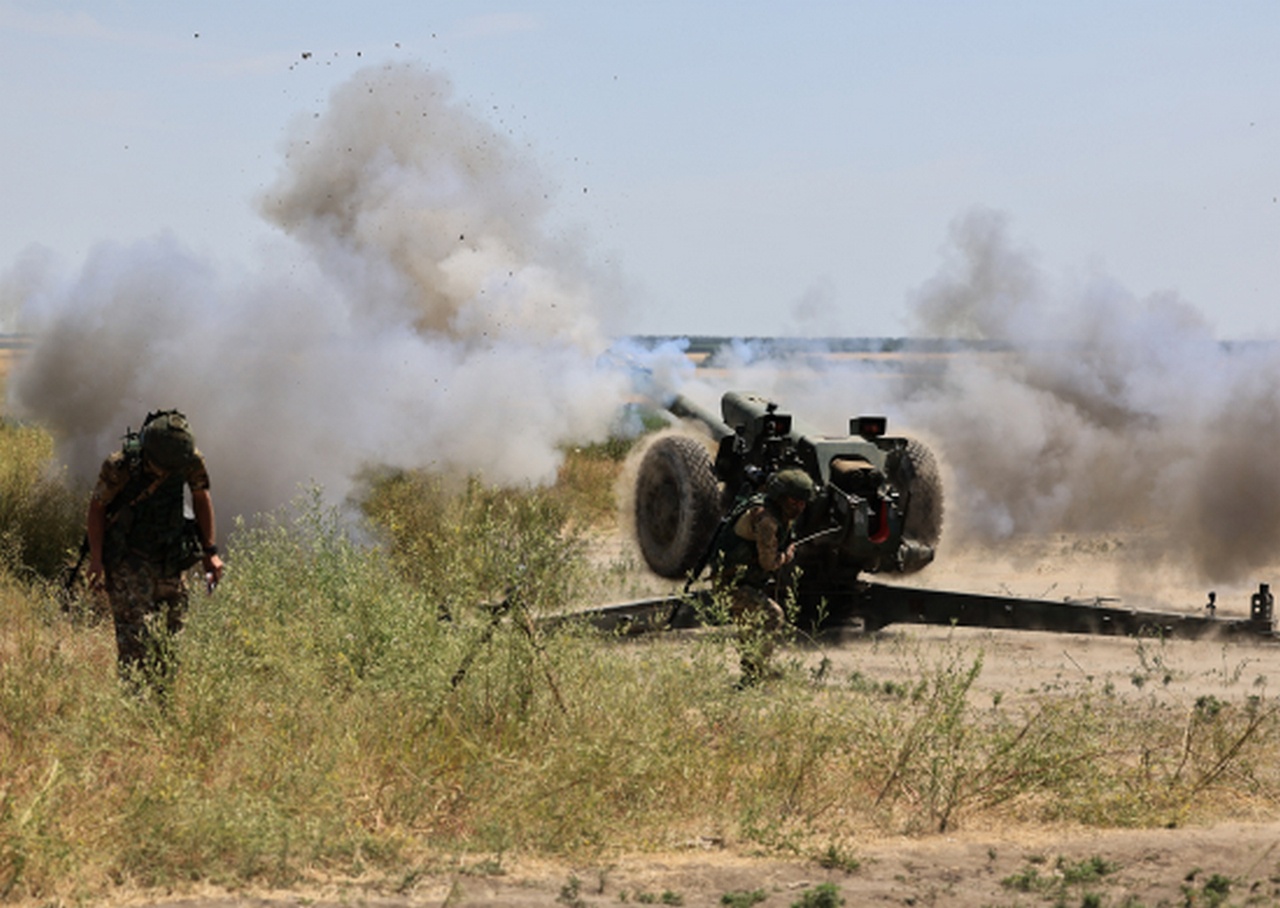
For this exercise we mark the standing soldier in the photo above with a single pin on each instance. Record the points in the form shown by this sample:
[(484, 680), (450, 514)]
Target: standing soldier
[(141, 542), (751, 548)]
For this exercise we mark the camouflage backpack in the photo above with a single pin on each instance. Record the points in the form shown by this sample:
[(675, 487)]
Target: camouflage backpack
[(732, 556), (146, 521)]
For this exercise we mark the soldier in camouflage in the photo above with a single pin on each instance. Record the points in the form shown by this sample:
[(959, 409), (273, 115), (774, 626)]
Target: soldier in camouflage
[(141, 543), (753, 546)]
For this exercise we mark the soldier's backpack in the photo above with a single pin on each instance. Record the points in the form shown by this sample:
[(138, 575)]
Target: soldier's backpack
[(147, 521)]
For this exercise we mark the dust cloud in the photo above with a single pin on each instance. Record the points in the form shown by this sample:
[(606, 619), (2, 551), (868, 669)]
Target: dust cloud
[(415, 309), (1099, 411)]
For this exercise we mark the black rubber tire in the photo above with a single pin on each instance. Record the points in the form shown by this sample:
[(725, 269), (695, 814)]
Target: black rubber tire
[(677, 505), (924, 505)]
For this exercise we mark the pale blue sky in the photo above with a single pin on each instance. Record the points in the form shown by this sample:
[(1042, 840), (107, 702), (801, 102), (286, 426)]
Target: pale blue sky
[(745, 164)]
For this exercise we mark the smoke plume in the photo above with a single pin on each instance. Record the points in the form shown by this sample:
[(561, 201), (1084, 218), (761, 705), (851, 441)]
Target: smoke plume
[(1101, 412), (415, 311)]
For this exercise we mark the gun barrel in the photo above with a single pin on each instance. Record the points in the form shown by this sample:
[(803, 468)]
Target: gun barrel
[(684, 408)]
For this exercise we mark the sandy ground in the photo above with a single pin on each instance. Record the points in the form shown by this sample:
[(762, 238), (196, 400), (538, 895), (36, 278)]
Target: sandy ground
[(1061, 567), (1157, 867)]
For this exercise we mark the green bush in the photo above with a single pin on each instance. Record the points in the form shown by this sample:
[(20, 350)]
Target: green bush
[(824, 895), (475, 545), (41, 517)]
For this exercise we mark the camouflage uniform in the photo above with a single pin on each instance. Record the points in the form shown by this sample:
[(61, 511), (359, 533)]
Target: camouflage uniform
[(747, 556), (746, 562), (146, 552)]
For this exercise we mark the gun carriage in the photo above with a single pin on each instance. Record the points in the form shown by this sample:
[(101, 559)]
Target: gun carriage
[(878, 510)]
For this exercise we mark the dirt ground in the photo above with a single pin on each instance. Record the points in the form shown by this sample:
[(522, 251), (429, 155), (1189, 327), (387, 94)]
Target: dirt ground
[(1154, 867), (1230, 864)]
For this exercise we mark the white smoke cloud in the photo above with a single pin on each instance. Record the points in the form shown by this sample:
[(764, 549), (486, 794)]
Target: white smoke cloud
[(417, 312), (1103, 412)]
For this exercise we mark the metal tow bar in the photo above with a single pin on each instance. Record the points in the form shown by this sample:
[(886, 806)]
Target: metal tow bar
[(873, 606)]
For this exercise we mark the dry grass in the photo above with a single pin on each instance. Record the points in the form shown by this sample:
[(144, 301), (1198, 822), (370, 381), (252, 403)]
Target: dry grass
[(351, 710)]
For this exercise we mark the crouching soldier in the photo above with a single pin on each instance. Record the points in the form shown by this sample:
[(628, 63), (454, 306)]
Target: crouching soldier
[(755, 543), (141, 542)]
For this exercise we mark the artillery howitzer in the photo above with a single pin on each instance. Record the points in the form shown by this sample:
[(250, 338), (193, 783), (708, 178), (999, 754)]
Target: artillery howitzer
[(878, 507)]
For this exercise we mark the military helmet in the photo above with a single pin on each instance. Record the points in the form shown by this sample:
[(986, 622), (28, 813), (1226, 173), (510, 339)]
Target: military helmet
[(167, 440), (790, 483)]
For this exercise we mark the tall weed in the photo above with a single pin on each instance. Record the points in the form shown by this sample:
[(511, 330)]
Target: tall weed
[(477, 544), (41, 516)]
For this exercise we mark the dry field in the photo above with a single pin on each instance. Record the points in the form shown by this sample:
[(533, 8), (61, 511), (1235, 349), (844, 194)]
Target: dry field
[(1236, 863)]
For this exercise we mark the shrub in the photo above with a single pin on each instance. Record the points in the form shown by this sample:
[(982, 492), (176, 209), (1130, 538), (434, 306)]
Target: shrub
[(41, 517), (478, 544)]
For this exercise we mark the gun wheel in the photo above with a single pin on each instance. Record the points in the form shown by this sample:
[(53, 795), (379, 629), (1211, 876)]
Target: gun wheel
[(677, 505), (924, 507)]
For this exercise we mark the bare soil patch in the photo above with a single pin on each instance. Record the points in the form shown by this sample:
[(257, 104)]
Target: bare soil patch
[(967, 870)]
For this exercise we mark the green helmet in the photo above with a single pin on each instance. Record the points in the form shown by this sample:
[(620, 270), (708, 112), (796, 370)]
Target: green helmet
[(790, 483), (167, 440)]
